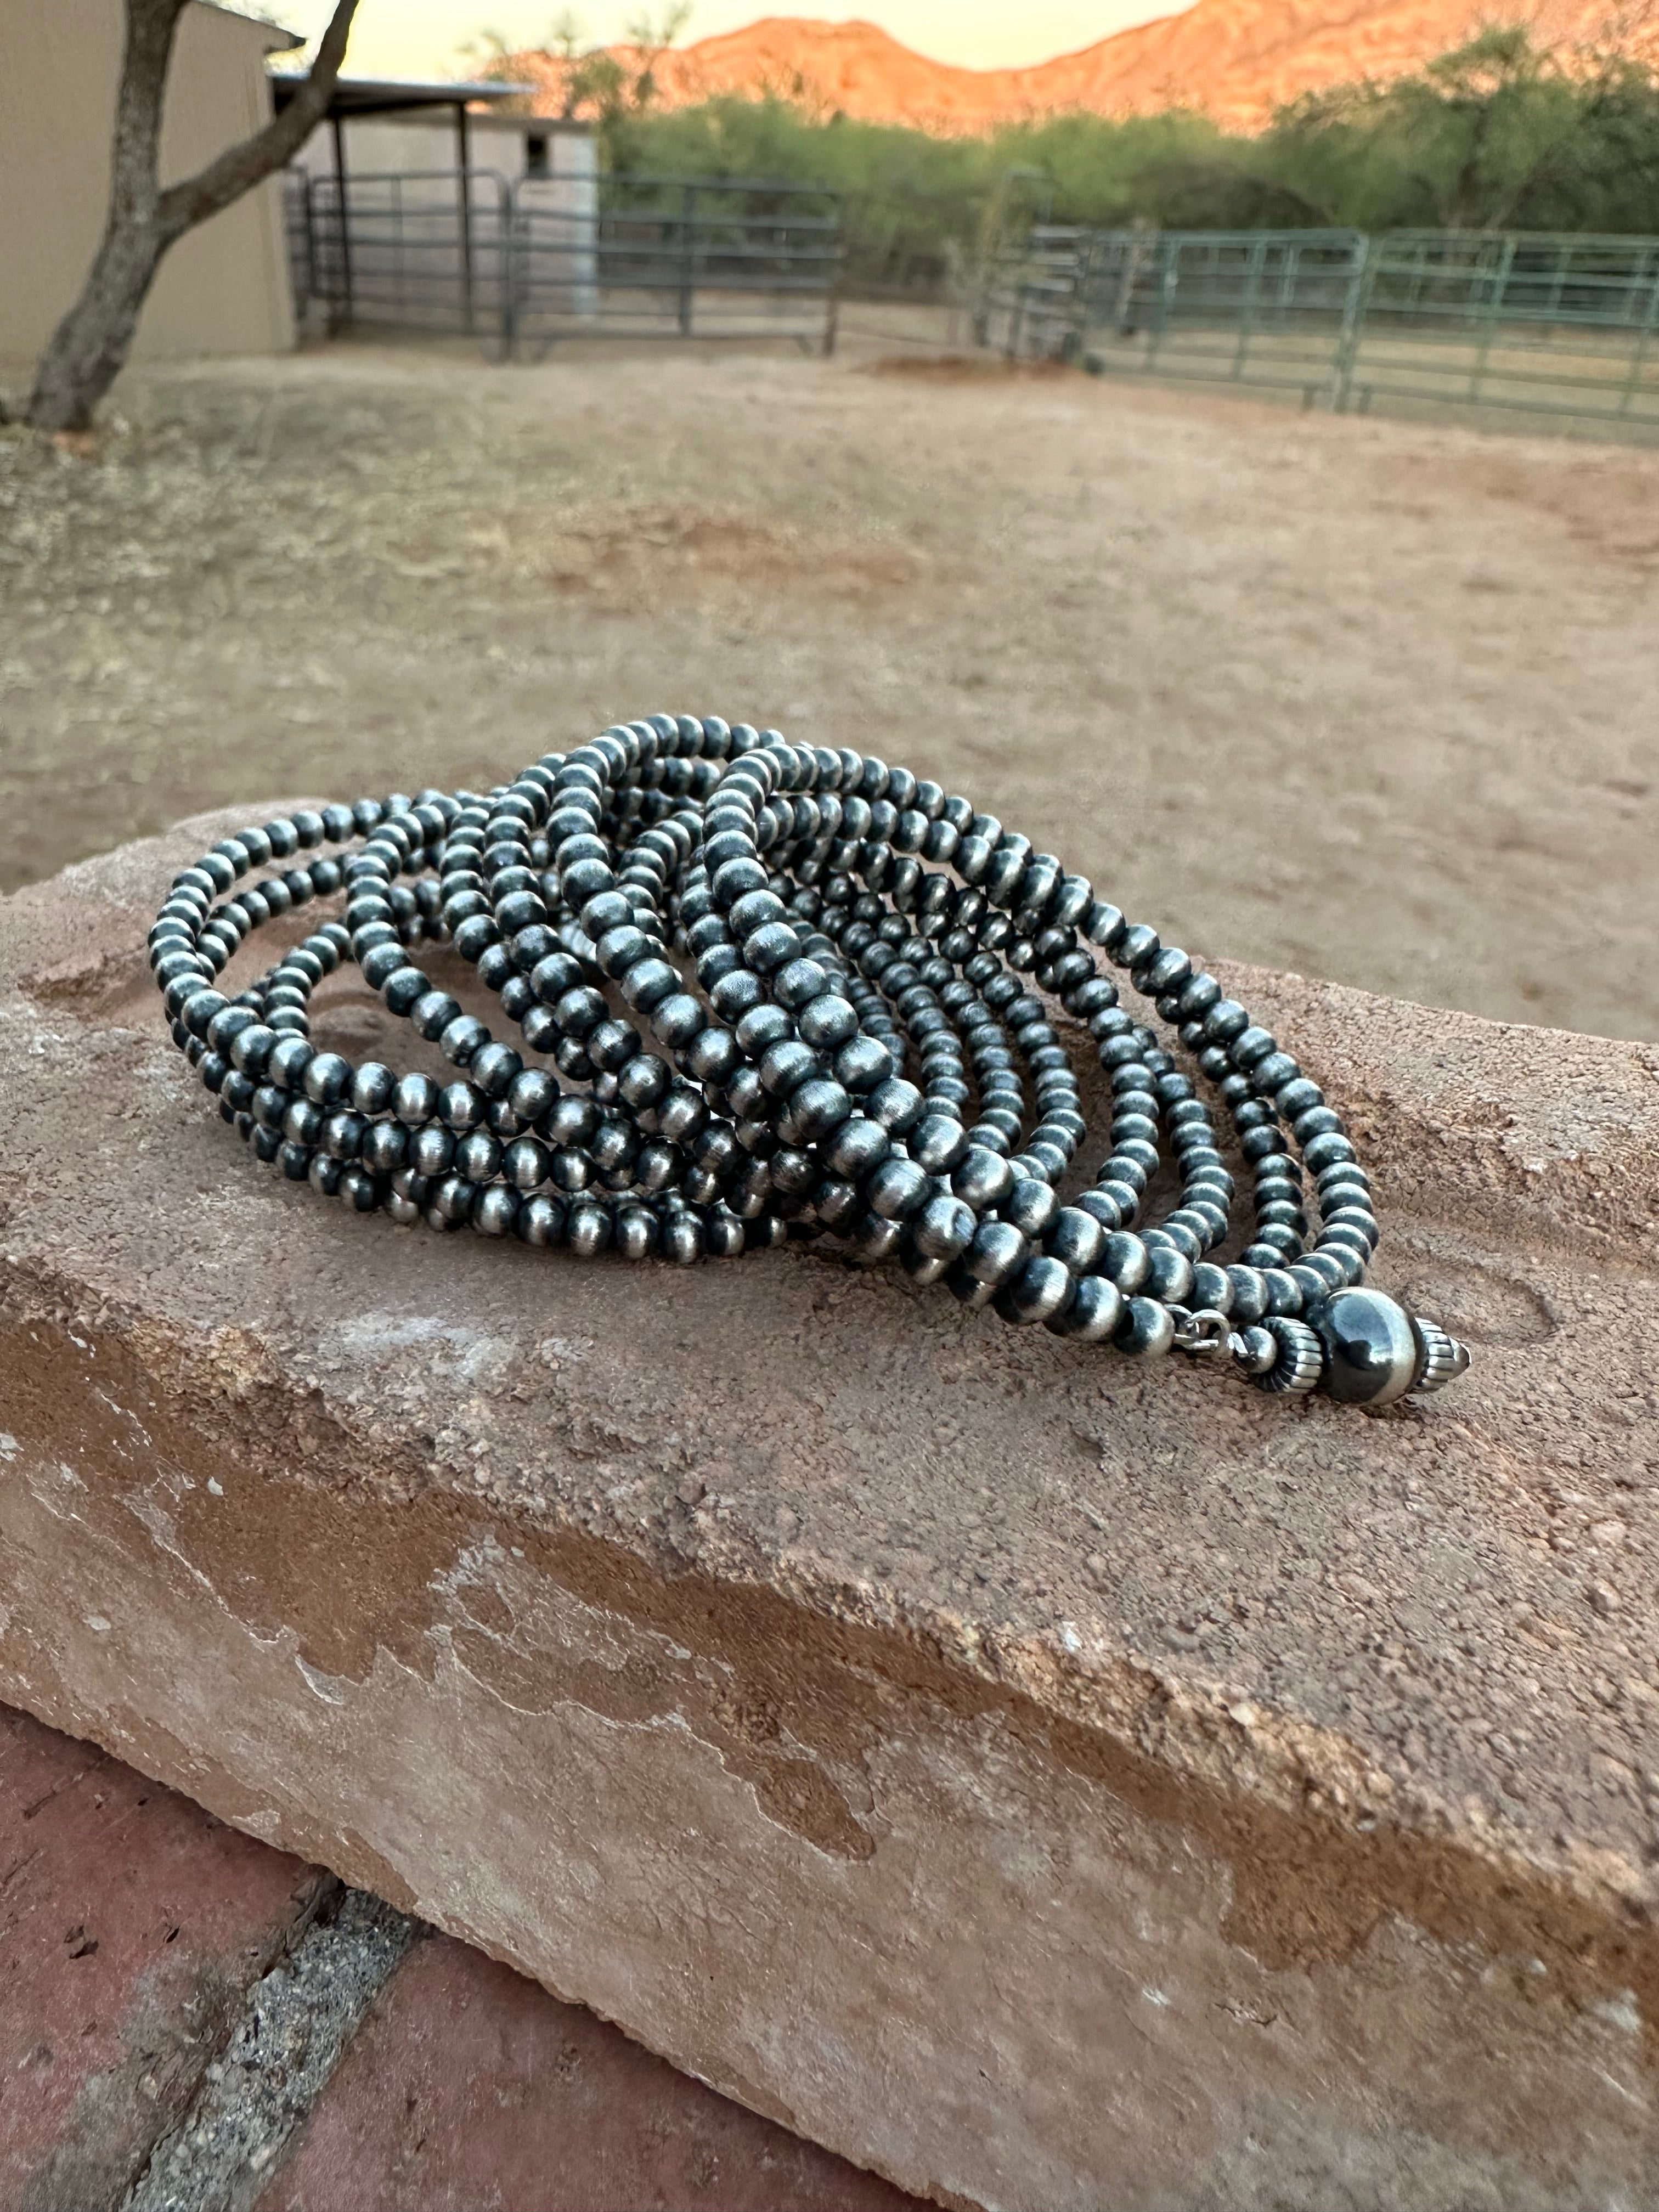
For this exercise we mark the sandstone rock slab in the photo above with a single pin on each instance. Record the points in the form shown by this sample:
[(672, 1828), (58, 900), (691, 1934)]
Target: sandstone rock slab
[(1039, 1780)]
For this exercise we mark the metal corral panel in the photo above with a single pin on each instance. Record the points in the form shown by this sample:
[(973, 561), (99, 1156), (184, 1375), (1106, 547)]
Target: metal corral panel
[(1523, 323), (528, 263)]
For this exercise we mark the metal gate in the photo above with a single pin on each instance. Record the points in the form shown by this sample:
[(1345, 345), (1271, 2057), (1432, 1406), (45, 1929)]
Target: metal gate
[(407, 249), (1413, 321), (527, 265)]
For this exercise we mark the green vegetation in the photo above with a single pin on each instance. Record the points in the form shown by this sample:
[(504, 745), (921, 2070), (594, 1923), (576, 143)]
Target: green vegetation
[(1498, 134)]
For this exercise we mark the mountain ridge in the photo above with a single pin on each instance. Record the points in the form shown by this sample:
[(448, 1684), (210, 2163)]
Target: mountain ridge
[(1236, 60)]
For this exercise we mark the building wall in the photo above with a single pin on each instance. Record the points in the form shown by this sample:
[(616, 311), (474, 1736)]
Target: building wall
[(426, 140), (223, 289)]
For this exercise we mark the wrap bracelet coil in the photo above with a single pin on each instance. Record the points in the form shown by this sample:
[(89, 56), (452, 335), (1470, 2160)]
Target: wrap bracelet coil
[(843, 920)]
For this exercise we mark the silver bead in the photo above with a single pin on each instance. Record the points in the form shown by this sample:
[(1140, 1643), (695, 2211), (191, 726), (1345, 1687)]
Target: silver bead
[(1030, 1206), (681, 1240), (1148, 1330), (588, 1230), (636, 1232), (1370, 1348), (1257, 1351), (920, 1266), (1042, 1290), (540, 1221), (996, 1253), (495, 1210), (1095, 1314), (944, 1228)]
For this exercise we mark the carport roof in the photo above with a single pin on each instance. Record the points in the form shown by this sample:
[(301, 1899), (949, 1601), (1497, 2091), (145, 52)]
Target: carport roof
[(373, 95)]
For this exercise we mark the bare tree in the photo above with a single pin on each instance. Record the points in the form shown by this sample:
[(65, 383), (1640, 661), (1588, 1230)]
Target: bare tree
[(608, 84), (651, 41), (90, 346)]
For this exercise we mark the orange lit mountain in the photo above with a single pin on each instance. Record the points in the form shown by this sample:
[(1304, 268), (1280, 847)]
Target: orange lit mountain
[(1236, 59)]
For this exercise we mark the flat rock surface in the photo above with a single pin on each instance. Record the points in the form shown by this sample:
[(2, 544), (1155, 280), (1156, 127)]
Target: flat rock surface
[(1401, 1662)]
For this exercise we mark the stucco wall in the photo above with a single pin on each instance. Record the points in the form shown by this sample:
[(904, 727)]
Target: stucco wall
[(426, 140), (224, 287)]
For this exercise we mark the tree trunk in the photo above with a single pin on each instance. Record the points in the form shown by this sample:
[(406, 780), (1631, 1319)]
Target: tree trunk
[(90, 346)]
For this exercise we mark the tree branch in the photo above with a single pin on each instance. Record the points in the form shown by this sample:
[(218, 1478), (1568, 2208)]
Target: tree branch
[(231, 173), (134, 182)]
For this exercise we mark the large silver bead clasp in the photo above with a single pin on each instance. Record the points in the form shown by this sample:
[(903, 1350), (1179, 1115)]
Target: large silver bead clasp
[(1376, 1352)]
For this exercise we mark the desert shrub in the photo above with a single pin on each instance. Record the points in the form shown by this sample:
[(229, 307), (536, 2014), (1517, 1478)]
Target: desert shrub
[(1499, 134)]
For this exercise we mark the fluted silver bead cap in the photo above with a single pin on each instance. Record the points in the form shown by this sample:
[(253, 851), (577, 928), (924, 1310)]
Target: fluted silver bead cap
[(1440, 1358), (1300, 1360)]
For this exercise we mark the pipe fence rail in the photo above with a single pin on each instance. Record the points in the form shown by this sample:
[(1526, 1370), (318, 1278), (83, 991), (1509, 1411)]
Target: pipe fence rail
[(405, 249), (679, 256), (1414, 321), (525, 266)]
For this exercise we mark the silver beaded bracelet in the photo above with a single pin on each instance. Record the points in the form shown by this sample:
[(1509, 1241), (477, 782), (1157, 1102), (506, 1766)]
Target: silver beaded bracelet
[(843, 920)]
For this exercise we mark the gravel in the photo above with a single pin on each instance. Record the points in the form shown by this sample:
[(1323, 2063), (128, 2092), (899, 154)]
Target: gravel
[(256, 2095)]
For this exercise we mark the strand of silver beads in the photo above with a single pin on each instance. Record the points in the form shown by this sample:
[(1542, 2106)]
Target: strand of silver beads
[(843, 920)]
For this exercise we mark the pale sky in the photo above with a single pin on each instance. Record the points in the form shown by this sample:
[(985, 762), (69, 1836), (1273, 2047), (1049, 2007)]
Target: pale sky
[(426, 38)]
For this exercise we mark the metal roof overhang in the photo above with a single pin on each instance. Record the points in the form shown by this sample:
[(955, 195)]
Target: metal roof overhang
[(363, 95)]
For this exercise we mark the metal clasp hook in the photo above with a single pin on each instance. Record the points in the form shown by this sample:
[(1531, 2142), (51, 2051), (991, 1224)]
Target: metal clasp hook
[(1206, 1334)]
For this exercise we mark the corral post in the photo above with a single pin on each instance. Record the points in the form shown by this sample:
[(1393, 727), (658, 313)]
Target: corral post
[(1355, 303), (687, 258), (1088, 276), (1254, 266), (1016, 316), (345, 218), (313, 281), (1496, 286), (1558, 284), (463, 145), (832, 295), (1638, 352), (507, 205), (1169, 272), (1136, 252)]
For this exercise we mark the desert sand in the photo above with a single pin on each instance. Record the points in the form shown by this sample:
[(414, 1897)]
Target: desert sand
[(1361, 699)]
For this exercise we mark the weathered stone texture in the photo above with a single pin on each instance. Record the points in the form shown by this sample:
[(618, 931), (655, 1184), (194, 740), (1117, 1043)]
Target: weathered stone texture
[(1029, 1776)]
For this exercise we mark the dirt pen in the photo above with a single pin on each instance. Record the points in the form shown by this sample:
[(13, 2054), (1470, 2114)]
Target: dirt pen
[(1362, 698)]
